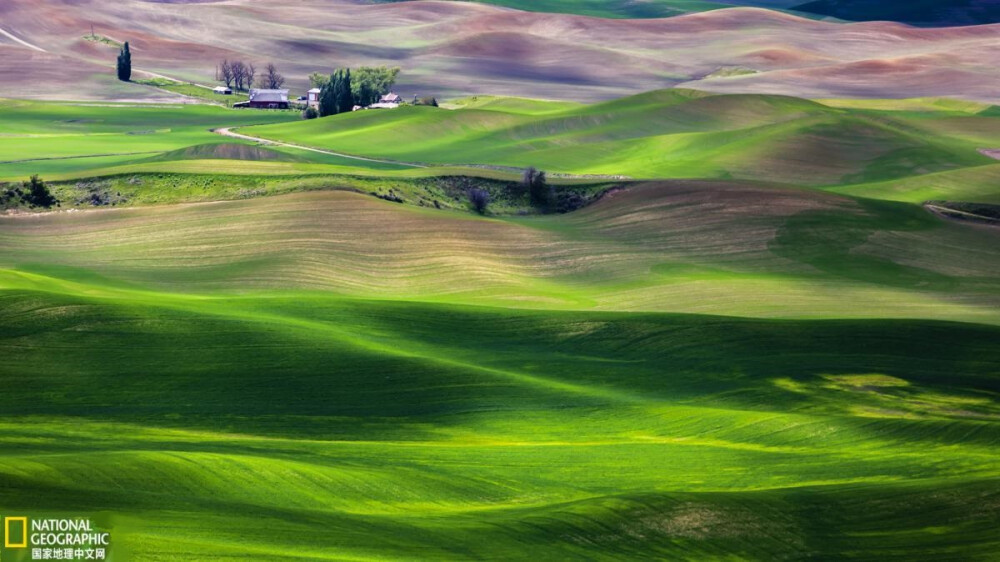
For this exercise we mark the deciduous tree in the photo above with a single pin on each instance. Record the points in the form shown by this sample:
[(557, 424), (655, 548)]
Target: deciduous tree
[(272, 78), (224, 73), (239, 70), (480, 199), (251, 72), (318, 80), (369, 83)]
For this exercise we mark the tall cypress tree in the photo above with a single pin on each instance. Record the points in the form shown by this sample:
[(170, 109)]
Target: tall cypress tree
[(328, 98), (336, 84), (125, 64), (335, 96), (347, 93)]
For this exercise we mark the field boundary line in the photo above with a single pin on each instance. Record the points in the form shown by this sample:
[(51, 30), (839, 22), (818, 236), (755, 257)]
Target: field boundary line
[(228, 132), (12, 37), (81, 156)]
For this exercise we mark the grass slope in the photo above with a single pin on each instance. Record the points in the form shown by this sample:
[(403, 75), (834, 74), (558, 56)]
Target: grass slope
[(71, 140), (580, 434), (730, 248), (686, 369)]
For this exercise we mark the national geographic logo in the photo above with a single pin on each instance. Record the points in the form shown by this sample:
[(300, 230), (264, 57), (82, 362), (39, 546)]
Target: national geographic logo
[(14, 537), (56, 539)]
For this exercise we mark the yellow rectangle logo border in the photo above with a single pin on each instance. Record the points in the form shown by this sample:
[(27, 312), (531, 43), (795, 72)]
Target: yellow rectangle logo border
[(6, 532)]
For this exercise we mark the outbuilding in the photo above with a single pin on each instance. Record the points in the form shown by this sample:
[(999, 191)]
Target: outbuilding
[(223, 90), (313, 97)]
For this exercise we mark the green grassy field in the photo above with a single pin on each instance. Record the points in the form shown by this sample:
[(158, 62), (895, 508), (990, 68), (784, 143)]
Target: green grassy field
[(902, 150), (770, 351), (195, 91), (674, 133), (64, 138), (343, 388)]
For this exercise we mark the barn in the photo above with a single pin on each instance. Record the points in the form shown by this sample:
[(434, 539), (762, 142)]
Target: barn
[(268, 99)]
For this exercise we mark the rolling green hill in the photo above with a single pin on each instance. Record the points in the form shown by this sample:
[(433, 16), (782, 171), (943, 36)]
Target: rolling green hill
[(890, 149), (668, 247), (672, 133), (329, 376), (71, 140)]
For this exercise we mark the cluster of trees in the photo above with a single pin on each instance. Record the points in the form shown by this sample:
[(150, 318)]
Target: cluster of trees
[(241, 75), (38, 193), (33, 192), (542, 195), (236, 74), (342, 90), (125, 63), (335, 95)]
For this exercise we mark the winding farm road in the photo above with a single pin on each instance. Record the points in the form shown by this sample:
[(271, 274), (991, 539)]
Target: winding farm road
[(228, 132)]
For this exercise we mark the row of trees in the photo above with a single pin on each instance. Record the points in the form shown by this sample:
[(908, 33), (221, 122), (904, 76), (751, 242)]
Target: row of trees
[(242, 75), (336, 95), (342, 90), (236, 74)]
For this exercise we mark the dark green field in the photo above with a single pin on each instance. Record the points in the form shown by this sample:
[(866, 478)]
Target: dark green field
[(682, 370)]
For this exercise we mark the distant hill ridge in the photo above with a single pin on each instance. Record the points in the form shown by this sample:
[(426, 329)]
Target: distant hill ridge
[(931, 13), (926, 13)]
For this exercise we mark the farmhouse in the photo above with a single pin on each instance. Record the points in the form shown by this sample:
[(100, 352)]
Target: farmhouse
[(391, 98), (222, 90), (312, 98), (266, 99)]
